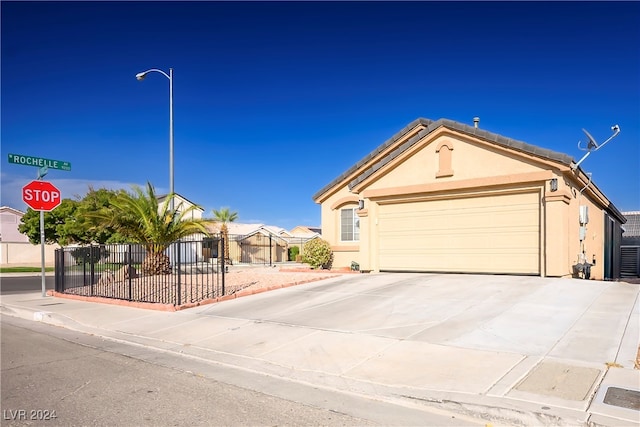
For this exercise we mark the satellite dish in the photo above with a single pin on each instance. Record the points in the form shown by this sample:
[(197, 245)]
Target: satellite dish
[(592, 144)]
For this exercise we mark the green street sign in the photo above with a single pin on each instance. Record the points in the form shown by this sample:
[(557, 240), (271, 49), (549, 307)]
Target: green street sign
[(39, 162)]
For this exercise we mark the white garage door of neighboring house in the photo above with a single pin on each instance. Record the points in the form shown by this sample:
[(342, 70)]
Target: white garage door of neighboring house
[(489, 234)]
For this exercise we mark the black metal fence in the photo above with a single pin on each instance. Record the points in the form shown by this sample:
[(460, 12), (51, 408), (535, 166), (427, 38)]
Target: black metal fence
[(186, 272), (190, 271)]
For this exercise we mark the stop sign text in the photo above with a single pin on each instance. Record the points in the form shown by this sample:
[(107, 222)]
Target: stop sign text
[(41, 195)]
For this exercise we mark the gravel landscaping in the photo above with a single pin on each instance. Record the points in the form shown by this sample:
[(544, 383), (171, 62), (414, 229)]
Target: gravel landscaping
[(196, 287)]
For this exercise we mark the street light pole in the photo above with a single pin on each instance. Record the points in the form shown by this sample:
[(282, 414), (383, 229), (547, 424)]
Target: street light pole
[(141, 76), (171, 190)]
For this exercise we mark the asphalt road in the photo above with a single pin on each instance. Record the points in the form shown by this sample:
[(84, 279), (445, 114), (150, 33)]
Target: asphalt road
[(57, 382), (55, 376), (21, 284)]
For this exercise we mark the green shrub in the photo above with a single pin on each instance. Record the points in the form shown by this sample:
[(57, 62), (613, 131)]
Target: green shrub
[(317, 253), (293, 253)]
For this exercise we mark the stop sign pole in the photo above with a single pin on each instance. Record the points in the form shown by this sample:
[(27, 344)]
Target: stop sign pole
[(41, 196), (42, 268)]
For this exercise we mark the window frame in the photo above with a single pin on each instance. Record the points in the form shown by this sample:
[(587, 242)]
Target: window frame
[(353, 233)]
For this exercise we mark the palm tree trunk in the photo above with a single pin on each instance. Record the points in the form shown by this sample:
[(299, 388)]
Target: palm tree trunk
[(156, 263), (225, 236)]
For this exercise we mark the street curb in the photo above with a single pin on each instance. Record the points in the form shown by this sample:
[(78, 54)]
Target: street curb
[(490, 409)]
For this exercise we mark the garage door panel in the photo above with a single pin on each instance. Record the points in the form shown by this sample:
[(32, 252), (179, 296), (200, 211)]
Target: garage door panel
[(498, 234)]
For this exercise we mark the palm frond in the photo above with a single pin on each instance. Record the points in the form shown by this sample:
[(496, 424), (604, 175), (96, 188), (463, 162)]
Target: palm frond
[(138, 216)]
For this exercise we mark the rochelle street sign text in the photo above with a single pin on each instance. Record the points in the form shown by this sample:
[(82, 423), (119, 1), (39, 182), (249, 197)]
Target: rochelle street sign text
[(39, 162)]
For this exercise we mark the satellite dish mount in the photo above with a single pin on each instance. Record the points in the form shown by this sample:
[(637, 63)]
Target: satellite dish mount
[(592, 145)]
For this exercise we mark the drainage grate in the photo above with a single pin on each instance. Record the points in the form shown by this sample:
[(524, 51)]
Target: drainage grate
[(623, 398), (53, 303)]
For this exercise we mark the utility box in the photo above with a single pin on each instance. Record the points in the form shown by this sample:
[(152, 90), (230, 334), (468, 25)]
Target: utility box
[(584, 215)]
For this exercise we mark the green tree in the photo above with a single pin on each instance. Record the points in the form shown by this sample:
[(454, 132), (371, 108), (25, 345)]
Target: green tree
[(68, 223), (224, 216), (94, 201), (138, 217), (56, 228)]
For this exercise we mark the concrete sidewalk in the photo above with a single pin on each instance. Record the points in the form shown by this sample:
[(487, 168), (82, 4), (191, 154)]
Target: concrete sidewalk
[(513, 350)]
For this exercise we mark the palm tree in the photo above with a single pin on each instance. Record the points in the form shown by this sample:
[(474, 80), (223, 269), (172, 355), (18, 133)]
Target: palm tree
[(138, 218), (224, 215)]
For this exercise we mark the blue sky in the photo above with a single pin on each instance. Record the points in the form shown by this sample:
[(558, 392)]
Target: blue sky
[(272, 101)]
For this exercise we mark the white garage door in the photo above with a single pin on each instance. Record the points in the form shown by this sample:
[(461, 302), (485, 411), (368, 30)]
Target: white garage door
[(490, 234)]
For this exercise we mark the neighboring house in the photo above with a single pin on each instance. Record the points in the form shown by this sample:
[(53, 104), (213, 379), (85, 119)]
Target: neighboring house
[(302, 231), (255, 243), (443, 196), (262, 246), (15, 249), (9, 223), (181, 204), (631, 229), (630, 252)]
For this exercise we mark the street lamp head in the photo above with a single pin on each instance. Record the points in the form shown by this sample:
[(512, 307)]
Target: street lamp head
[(141, 76)]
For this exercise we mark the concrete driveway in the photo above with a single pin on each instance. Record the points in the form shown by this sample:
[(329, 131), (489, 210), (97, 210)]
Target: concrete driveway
[(546, 342), (516, 350)]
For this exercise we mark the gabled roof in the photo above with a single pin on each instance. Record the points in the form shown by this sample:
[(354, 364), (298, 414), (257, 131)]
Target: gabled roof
[(12, 210), (305, 231), (265, 231), (242, 229), (368, 167), (178, 196), (632, 226), (232, 227)]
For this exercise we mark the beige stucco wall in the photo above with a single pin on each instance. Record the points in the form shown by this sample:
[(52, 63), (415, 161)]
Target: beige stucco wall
[(469, 161), (26, 254), (476, 168)]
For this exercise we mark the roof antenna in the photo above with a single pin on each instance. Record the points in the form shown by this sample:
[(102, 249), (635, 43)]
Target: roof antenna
[(592, 145)]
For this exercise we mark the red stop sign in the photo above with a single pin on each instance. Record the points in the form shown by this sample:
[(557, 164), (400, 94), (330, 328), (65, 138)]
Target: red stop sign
[(41, 195)]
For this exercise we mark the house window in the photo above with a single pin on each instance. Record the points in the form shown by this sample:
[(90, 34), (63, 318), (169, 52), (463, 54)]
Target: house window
[(349, 225)]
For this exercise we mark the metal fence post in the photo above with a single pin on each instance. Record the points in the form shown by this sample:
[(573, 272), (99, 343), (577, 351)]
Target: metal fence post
[(222, 266), (84, 270), (93, 268), (129, 267), (178, 262), (57, 267)]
